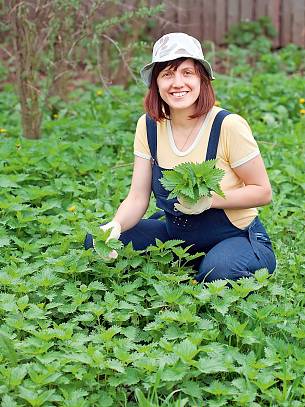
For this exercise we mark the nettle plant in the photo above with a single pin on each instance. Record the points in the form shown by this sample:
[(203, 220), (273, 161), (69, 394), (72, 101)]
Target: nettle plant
[(192, 181), (76, 330)]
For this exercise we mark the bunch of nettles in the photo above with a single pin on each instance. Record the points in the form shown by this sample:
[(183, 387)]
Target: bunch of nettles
[(192, 181)]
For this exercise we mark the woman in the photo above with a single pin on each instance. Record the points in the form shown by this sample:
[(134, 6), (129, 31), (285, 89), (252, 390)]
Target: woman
[(183, 125)]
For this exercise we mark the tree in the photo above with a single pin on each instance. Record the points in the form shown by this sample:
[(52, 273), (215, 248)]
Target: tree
[(51, 36)]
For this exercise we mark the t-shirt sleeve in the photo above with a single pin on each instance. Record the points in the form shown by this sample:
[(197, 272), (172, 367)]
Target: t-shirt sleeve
[(239, 143), (141, 148)]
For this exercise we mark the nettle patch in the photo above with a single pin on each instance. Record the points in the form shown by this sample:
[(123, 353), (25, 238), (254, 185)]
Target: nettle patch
[(78, 331)]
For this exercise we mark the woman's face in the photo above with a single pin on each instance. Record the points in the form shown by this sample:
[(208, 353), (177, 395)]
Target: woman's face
[(180, 87)]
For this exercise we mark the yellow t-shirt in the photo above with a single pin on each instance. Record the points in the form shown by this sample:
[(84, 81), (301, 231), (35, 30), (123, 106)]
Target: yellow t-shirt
[(236, 146)]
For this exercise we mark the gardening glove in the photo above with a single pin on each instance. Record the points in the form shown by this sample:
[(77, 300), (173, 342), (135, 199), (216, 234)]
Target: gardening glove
[(115, 229), (200, 206), (114, 234)]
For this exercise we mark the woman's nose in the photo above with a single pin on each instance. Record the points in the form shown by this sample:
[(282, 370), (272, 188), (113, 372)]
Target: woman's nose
[(178, 80)]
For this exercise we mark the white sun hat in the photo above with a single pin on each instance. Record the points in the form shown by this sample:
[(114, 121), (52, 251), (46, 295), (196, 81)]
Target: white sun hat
[(172, 46)]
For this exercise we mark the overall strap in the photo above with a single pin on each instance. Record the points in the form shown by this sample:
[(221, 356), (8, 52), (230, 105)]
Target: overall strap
[(151, 130), (214, 135)]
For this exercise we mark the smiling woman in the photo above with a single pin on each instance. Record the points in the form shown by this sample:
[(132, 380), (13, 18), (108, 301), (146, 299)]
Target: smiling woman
[(183, 85), (182, 124)]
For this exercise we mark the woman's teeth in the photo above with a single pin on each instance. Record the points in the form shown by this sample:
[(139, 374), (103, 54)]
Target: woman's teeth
[(179, 94)]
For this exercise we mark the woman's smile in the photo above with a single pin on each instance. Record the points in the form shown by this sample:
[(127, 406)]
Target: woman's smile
[(179, 94)]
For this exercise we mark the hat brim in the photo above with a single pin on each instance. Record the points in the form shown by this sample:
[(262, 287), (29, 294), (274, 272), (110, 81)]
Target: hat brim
[(146, 71)]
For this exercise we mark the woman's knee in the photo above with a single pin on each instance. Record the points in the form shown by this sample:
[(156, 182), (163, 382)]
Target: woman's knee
[(219, 269), (227, 260), (237, 262)]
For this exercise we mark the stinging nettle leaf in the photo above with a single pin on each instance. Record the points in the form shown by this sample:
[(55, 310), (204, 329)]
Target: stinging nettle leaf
[(192, 181), (186, 350), (7, 347)]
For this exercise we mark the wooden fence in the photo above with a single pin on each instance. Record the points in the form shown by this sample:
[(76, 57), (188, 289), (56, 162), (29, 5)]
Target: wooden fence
[(211, 19)]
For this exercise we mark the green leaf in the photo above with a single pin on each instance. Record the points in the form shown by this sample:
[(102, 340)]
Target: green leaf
[(115, 365), (246, 391), (168, 293), (8, 302), (7, 348), (8, 182), (193, 181), (23, 302), (173, 374), (186, 350), (35, 398), (107, 400), (219, 388), (217, 286), (4, 241), (17, 375), (192, 389), (205, 324), (130, 377), (261, 275), (8, 401), (212, 365), (235, 326), (265, 380)]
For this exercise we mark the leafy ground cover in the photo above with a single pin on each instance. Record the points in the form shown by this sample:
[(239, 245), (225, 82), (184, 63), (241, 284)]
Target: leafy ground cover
[(76, 331)]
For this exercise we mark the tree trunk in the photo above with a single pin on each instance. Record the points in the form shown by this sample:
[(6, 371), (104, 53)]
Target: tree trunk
[(26, 72)]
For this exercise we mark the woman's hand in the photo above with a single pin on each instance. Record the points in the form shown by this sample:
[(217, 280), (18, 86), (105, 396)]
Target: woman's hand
[(115, 229), (200, 206), (114, 234)]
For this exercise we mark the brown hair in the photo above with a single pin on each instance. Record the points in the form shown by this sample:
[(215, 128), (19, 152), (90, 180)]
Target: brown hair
[(159, 110)]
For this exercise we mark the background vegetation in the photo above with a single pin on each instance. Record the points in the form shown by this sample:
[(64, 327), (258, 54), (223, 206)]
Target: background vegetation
[(76, 331)]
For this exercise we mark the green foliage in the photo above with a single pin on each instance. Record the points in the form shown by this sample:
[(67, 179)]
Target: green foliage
[(141, 12), (193, 181), (290, 59), (249, 52), (244, 33), (78, 331)]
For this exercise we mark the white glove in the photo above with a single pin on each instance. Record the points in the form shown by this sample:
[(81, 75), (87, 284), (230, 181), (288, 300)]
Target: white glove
[(114, 234), (200, 206), (115, 229)]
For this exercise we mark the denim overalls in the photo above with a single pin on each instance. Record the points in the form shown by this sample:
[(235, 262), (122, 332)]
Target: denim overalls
[(230, 252), (211, 227)]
